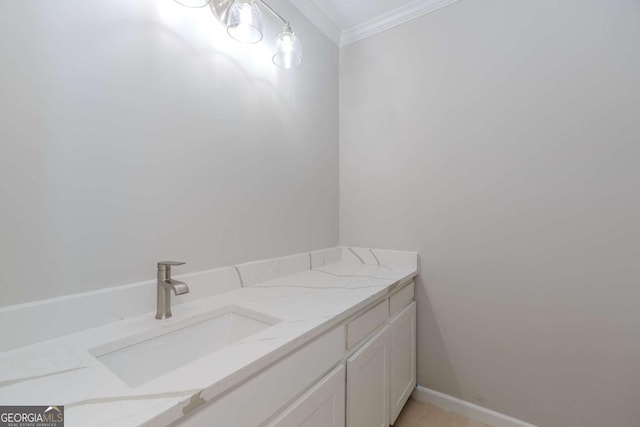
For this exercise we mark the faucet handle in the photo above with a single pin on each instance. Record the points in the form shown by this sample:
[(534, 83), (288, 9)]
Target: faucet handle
[(166, 265)]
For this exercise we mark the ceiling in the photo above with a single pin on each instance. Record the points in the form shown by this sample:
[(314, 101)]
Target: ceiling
[(347, 21)]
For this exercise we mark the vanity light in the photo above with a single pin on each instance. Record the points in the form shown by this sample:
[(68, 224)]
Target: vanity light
[(243, 19), (288, 52)]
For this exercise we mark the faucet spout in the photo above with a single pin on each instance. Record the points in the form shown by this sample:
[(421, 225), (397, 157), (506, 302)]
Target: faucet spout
[(177, 286)]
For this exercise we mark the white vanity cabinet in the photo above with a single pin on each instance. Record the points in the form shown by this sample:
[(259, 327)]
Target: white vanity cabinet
[(402, 359), (368, 383)]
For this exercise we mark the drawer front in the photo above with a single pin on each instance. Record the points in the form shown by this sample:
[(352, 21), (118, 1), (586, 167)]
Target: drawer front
[(272, 388), (401, 299), (366, 323)]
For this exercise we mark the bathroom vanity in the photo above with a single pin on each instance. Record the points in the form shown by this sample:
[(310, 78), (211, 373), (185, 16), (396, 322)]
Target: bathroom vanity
[(317, 339), (364, 368)]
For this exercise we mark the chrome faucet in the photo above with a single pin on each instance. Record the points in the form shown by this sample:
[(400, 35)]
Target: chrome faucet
[(165, 285)]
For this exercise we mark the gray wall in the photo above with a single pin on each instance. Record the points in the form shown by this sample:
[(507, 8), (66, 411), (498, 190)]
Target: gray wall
[(501, 140), (136, 131)]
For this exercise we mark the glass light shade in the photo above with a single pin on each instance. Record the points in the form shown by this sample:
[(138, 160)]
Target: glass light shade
[(288, 50), (244, 21), (193, 3)]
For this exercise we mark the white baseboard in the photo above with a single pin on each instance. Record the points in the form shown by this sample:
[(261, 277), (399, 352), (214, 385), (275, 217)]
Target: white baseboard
[(468, 409)]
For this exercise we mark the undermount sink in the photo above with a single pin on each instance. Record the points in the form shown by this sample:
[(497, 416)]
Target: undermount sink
[(141, 358)]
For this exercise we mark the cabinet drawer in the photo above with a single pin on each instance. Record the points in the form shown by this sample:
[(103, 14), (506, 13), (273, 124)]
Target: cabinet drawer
[(272, 388), (401, 299), (366, 323)]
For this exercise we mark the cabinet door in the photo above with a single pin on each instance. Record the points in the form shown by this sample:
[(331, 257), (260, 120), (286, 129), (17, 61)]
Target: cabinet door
[(402, 370), (321, 406), (368, 383)]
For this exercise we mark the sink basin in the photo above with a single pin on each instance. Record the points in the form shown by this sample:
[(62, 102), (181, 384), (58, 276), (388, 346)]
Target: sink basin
[(141, 358)]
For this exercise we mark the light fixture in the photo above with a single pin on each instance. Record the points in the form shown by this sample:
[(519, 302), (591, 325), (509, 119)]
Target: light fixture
[(193, 3), (288, 50), (243, 19)]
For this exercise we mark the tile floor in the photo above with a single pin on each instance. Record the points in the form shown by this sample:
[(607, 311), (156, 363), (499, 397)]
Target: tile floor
[(422, 414)]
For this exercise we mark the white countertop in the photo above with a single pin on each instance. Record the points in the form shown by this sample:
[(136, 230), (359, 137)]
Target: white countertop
[(61, 371)]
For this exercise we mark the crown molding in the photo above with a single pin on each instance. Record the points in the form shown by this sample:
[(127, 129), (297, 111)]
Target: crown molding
[(391, 19), (318, 18), (376, 25)]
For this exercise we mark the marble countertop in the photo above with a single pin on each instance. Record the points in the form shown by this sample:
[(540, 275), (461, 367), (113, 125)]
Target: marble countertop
[(62, 371)]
